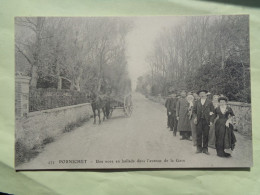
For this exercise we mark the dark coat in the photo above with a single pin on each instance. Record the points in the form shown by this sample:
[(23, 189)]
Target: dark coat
[(207, 108), (167, 103), (170, 104), (182, 110), (225, 137)]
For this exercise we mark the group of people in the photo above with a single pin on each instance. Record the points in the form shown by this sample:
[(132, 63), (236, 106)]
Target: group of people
[(205, 121)]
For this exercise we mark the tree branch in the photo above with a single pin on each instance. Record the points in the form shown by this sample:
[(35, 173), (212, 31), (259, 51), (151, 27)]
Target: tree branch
[(26, 57)]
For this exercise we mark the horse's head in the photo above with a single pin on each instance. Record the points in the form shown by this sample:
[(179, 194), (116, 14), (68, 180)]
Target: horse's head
[(92, 96)]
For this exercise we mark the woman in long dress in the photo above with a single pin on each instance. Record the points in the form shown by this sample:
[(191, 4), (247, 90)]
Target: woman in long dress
[(212, 138), (225, 138), (182, 107), (190, 99)]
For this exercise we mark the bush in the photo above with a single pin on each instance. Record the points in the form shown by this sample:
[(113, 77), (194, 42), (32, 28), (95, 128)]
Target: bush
[(47, 140), (23, 153), (233, 80), (73, 125), (43, 99)]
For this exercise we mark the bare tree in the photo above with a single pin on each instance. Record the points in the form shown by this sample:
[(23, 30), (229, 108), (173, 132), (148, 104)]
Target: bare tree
[(31, 51)]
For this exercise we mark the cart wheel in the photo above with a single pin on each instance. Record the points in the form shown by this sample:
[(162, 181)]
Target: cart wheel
[(111, 112), (129, 111), (128, 107)]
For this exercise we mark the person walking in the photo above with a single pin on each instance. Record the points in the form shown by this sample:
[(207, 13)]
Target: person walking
[(204, 116), (167, 108), (172, 112), (182, 116), (225, 137), (190, 99), (196, 97), (212, 137)]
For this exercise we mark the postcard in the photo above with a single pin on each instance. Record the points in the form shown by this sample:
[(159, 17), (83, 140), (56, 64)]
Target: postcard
[(146, 92)]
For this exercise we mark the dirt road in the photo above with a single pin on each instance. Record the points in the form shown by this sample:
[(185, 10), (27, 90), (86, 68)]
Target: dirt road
[(141, 140)]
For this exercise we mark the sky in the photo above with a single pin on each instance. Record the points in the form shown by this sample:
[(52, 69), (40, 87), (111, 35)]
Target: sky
[(141, 39)]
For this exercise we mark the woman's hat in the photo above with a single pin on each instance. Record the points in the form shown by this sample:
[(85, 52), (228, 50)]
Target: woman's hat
[(190, 96), (222, 98), (203, 90)]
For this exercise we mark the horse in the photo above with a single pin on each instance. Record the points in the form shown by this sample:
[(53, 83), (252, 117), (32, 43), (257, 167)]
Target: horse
[(99, 103)]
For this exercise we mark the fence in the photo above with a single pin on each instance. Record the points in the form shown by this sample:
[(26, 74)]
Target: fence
[(43, 99)]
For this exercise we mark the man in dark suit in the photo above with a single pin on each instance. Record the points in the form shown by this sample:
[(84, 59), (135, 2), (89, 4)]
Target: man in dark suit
[(171, 109), (204, 116)]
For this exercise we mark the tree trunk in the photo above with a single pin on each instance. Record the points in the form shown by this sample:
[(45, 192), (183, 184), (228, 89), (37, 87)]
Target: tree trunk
[(77, 81), (72, 84), (34, 78), (222, 57), (99, 83), (59, 86), (100, 73), (36, 54)]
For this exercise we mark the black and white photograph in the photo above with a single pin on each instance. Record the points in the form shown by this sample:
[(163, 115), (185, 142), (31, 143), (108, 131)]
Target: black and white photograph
[(139, 92)]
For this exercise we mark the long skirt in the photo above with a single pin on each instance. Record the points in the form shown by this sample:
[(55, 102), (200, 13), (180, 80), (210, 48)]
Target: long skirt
[(212, 136), (225, 137), (184, 124)]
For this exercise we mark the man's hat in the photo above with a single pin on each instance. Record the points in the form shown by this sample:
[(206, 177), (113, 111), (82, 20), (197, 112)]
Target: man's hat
[(202, 90), (222, 98)]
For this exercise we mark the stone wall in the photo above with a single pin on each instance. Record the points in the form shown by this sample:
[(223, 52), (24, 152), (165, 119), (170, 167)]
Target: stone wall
[(38, 127), (241, 110), (21, 96), (243, 117)]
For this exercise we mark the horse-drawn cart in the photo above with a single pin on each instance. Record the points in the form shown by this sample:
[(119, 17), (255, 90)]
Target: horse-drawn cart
[(122, 102), (108, 104)]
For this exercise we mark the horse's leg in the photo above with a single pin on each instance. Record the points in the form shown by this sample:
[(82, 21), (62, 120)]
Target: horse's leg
[(104, 113), (99, 116), (107, 112), (94, 112), (111, 112)]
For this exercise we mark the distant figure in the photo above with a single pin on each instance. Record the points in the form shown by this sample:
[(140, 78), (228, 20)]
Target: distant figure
[(167, 108), (171, 108), (190, 99), (182, 116), (225, 137), (209, 96), (204, 111), (212, 137), (178, 96), (190, 93), (196, 97)]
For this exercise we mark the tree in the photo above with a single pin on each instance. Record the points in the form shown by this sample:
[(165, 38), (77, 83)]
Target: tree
[(88, 54), (199, 52), (31, 50)]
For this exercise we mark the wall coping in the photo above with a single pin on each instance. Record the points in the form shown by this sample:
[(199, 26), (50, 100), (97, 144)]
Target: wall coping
[(56, 109), (239, 104), (22, 79), (242, 104)]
